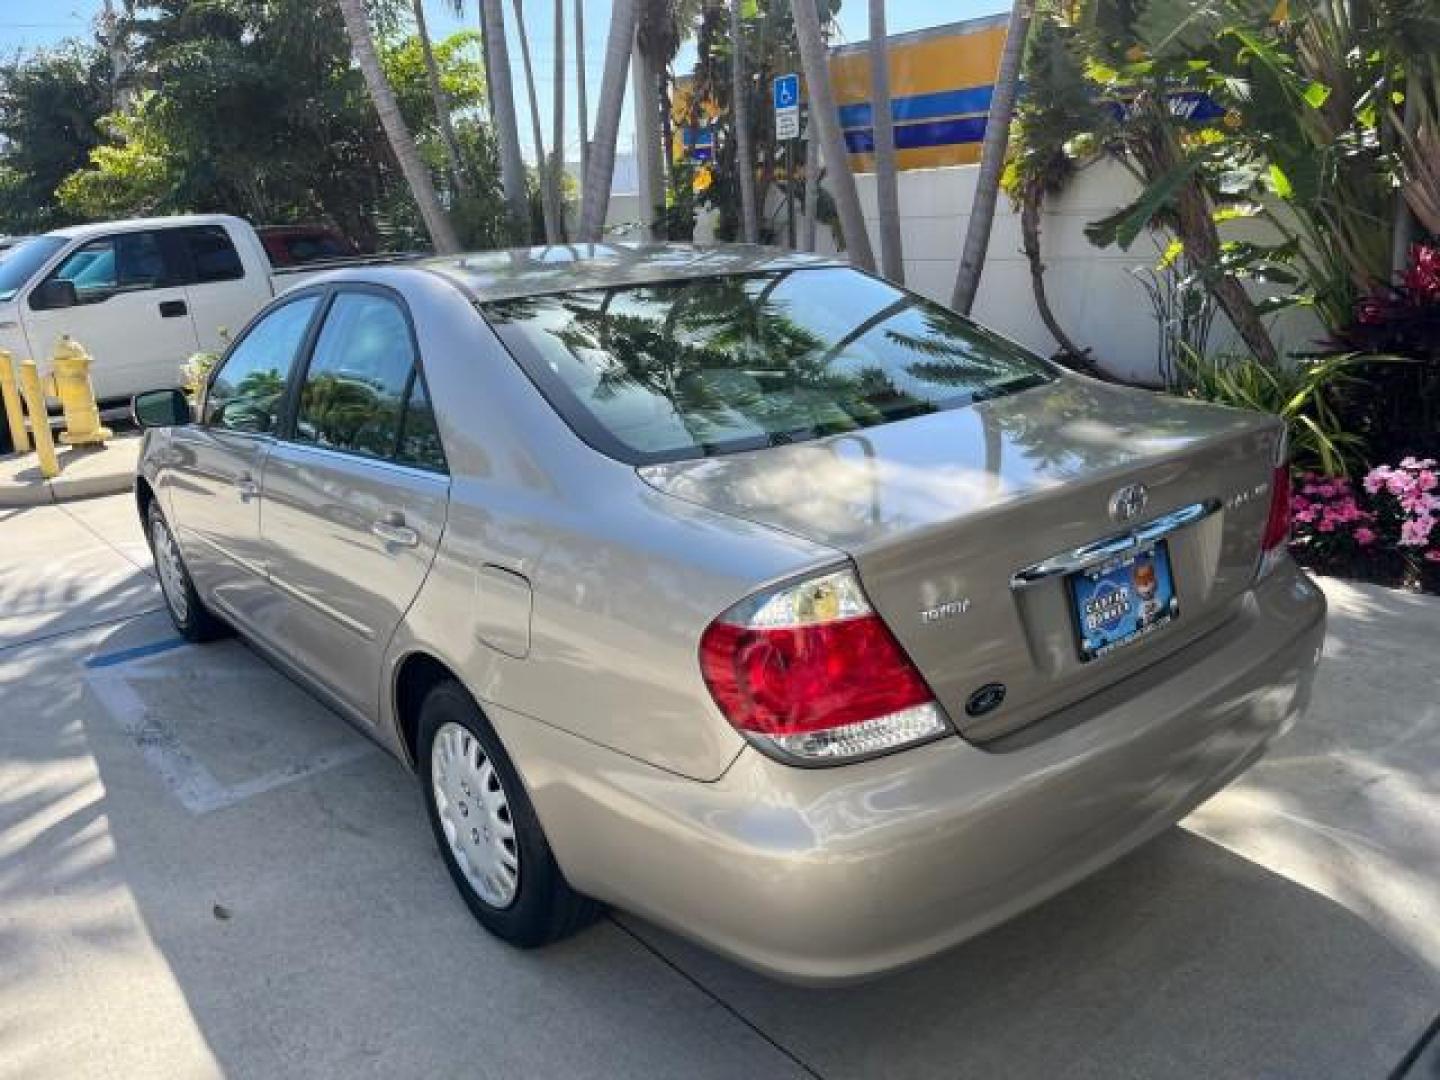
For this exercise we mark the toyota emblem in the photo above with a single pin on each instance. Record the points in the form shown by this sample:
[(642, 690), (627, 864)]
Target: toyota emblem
[(1128, 503)]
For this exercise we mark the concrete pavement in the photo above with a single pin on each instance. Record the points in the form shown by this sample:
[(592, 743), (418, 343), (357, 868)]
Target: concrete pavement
[(86, 472), (203, 872)]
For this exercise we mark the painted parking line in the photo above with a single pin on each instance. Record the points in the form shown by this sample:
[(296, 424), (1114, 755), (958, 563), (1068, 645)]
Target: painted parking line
[(124, 656), (113, 679)]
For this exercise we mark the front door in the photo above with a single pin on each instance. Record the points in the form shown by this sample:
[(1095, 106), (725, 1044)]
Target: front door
[(133, 316), (214, 485), (355, 498)]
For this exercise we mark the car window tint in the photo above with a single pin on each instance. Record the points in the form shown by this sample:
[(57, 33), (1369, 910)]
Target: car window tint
[(359, 374), (128, 262), (707, 366), (213, 255), (419, 437), (246, 392)]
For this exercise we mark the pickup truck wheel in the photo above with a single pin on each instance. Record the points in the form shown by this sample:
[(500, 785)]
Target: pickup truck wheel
[(486, 828), (190, 616)]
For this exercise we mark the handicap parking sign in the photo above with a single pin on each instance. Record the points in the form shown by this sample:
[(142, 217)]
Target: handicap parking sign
[(787, 92)]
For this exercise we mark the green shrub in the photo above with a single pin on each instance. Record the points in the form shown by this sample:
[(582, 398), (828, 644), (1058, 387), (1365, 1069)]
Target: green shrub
[(1302, 393)]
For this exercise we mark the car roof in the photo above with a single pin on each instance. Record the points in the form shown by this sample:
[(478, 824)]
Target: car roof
[(502, 275), (106, 228)]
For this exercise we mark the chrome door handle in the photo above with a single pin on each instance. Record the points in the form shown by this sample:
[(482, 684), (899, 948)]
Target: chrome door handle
[(393, 530)]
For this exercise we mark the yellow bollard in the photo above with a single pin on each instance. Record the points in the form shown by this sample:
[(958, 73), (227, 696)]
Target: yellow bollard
[(70, 382), (39, 419), (14, 413)]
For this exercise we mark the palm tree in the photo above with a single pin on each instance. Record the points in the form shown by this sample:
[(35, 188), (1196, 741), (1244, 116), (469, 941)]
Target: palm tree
[(581, 105), (502, 115), (601, 171), (442, 101), (402, 143), (542, 165), (740, 113), (812, 190), (992, 159), (882, 122), (557, 121), (815, 62)]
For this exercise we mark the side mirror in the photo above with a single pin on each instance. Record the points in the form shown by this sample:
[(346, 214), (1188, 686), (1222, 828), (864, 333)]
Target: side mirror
[(54, 294), (161, 408)]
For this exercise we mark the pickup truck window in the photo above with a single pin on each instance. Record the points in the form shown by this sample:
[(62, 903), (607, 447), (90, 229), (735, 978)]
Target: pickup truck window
[(212, 255), (22, 261), (246, 393), (359, 378), (124, 263)]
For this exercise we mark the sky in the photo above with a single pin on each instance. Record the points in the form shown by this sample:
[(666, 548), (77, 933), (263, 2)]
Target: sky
[(31, 24)]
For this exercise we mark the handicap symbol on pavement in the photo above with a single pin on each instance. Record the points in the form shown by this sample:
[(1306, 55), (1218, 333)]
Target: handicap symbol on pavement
[(787, 91)]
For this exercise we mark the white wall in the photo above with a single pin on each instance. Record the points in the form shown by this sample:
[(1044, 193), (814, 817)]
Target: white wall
[(1092, 291)]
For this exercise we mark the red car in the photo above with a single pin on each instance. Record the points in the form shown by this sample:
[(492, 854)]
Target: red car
[(294, 245)]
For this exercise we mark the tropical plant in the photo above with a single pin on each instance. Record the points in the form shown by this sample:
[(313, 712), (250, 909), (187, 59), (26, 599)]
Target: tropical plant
[(549, 192), (740, 118), (882, 124), (1184, 313), (600, 175), (502, 116), (992, 159), (815, 62), (440, 99), (1302, 393), (582, 105), (50, 105), (402, 143), (1044, 152)]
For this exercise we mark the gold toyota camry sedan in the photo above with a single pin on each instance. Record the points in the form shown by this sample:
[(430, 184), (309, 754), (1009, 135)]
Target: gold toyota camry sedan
[(736, 588)]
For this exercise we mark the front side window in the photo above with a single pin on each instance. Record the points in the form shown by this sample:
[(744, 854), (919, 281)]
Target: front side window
[(23, 261), (708, 366), (247, 391), (125, 263), (360, 375)]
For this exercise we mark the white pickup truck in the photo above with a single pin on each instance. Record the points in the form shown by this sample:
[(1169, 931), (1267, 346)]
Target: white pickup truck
[(141, 295)]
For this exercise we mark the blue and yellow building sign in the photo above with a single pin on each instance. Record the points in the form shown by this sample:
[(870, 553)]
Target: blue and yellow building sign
[(941, 80)]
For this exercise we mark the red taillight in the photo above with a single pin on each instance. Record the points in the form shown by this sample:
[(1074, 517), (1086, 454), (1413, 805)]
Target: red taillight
[(812, 671), (1277, 525)]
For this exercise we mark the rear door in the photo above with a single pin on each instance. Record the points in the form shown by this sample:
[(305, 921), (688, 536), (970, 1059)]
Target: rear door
[(355, 496), (214, 486), (132, 314), (222, 295)]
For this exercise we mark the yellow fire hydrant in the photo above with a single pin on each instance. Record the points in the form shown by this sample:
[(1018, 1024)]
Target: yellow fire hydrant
[(10, 396), (70, 382)]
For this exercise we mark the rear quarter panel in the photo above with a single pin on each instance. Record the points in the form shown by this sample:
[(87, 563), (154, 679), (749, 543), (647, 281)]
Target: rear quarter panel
[(623, 578)]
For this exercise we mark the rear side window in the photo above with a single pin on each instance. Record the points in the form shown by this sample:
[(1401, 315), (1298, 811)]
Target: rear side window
[(709, 366), (248, 389), (212, 255), (362, 393)]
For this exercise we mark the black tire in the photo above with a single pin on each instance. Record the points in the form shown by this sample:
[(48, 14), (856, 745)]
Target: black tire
[(195, 623), (544, 907)]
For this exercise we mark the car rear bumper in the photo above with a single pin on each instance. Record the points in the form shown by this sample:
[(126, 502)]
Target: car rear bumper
[(831, 875)]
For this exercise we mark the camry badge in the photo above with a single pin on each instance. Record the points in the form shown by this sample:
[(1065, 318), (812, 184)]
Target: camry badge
[(1128, 503)]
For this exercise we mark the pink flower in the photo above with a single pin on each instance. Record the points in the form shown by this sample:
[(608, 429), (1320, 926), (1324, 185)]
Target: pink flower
[(1433, 555), (1415, 532), (1426, 480), (1364, 537)]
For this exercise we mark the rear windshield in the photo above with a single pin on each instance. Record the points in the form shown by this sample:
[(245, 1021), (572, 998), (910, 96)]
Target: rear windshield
[(706, 366)]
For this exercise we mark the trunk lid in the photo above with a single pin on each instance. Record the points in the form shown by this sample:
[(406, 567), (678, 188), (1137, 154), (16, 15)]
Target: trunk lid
[(942, 512)]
